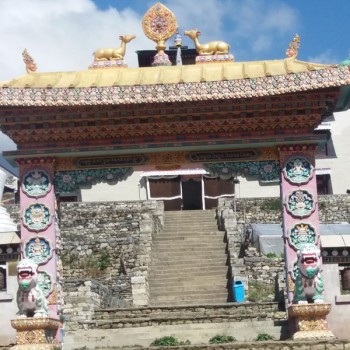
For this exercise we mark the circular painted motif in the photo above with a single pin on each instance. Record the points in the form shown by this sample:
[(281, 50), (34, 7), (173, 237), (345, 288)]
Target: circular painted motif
[(300, 203), (38, 249), (36, 183), (159, 23), (37, 217), (298, 170), (302, 233), (45, 283)]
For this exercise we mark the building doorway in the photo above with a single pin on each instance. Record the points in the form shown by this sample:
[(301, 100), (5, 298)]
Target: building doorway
[(191, 194), (184, 191)]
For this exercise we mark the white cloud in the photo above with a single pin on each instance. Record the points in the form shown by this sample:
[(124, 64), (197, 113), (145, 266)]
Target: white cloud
[(326, 57), (62, 35), (261, 24)]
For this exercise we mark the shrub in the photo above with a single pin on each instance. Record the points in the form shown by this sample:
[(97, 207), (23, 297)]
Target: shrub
[(218, 339), (264, 337), (104, 261), (169, 341)]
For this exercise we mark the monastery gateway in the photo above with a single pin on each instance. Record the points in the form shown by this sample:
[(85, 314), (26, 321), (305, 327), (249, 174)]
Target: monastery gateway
[(188, 127)]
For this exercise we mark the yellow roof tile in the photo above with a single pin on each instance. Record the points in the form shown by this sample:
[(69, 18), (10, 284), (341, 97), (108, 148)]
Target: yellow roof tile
[(162, 75)]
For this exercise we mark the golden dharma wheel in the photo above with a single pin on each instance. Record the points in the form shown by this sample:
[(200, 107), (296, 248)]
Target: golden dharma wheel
[(159, 24)]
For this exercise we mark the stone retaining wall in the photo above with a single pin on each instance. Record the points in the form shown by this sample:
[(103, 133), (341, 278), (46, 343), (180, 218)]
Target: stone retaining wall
[(263, 269), (280, 345), (245, 263), (153, 316), (332, 209), (110, 242)]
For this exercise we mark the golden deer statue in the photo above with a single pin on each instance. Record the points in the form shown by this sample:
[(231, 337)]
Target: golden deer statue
[(113, 54), (210, 48)]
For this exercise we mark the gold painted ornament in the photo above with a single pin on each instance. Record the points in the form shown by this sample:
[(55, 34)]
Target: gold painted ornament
[(159, 24)]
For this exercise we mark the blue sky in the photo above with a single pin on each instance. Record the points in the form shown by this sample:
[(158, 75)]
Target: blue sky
[(323, 25), (61, 35)]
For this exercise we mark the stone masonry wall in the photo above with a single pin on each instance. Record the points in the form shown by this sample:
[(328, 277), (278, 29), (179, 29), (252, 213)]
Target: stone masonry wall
[(259, 274), (332, 209), (280, 345), (109, 243), (245, 263)]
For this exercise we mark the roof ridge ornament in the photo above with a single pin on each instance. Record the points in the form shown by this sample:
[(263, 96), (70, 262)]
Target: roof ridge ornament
[(159, 24), (293, 48), (210, 52), (31, 66), (112, 57)]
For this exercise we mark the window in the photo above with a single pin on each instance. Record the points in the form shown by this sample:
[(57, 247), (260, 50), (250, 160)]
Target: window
[(3, 277), (324, 184)]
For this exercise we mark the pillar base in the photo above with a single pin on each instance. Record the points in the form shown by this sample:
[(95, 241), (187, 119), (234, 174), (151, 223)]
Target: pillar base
[(310, 321), (35, 333)]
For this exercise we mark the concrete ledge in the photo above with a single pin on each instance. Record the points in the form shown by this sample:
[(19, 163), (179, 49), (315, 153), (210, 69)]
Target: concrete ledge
[(6, 296), (197, 333), (342, 299), (277, 345)]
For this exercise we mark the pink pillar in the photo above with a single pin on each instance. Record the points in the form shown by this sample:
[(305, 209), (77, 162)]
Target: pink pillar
[(38, 223), (300, 207)]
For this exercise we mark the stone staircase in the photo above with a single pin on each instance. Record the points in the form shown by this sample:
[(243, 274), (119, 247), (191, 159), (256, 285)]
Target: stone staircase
[(189, 260)]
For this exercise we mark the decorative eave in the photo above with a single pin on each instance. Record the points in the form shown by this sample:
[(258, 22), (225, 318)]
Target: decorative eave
[(171, 84)]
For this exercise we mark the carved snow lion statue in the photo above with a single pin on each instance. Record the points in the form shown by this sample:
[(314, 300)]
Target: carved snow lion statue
[(309, 281), (31, 300)]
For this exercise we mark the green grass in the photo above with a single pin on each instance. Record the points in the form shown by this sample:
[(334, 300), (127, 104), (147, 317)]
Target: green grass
[(169, 341), (264, 337), (259, 291), (219, 339)]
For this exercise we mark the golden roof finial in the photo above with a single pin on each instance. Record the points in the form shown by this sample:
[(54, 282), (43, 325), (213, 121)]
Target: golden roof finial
[(159, 24), (292, 50), (29, 62)]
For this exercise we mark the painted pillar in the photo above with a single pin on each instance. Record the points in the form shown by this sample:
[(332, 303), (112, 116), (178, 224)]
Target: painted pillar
[(38, 223), (300, 208), (307, 310)]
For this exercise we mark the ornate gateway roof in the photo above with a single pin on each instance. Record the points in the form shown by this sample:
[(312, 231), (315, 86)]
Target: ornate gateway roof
[(214, 104), (170, 84)]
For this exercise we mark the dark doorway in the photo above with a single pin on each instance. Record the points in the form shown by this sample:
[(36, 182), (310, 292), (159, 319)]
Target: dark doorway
[(191, 194), (324, 184)]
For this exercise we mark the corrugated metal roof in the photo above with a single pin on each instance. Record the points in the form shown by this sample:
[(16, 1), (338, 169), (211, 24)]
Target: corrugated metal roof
[(9, 238)]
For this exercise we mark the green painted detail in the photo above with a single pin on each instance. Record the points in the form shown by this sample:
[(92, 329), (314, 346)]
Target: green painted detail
[(69, 181), (266, 171), (345, 62)]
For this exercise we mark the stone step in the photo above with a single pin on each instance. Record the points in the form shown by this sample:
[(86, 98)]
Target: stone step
[(188, 259), (189, 299), (201, 224), (176, 287), (182, 231), (195, 292), (186, 263), (179, 282), (188, 254), (184, 246), (190, 240), (190, 272)]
